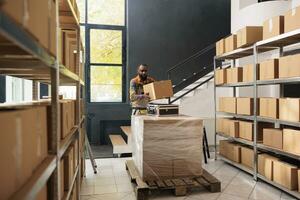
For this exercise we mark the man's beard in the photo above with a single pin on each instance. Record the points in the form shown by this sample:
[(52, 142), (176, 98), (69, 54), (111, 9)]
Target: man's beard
[(143, 77)]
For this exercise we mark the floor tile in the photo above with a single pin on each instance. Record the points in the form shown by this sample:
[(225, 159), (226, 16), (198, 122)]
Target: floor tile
[(240, 191), (124, 187), (123, 180), (105, 189), (203, 195), (285, 196), (104, 181), (263, 191), (111, 196), (87, 190), (230, 197), (243, 179)]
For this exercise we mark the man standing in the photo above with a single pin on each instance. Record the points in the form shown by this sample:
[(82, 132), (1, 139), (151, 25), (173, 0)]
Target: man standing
[(137, 96)]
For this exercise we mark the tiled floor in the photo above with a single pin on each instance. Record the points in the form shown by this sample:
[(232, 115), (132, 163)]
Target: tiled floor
[(113, 183)]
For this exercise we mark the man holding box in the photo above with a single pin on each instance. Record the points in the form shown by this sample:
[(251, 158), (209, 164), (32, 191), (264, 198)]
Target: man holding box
[(137, 96)]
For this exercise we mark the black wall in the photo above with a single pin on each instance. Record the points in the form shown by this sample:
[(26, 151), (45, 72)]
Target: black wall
[(162, 33)]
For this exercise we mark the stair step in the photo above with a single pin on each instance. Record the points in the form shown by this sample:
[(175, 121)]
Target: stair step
[(119, 145), (126, 130)]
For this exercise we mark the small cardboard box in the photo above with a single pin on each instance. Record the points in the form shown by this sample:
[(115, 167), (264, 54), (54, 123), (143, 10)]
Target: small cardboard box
[(249, 35), (14, 9), (220, 47), (245, 105), (273, 27), (291, 141), (234, 75), (227, 104), (229, 150), (285, 174), (230, 43), (291, 20), (289, 66), (265, 165), (273, 138), (68, 168), (269, 107), (247, 127), (268, 69), (159, 89), (289, 109), (221, 76), (228, 127), (248, 73), (247, 157)]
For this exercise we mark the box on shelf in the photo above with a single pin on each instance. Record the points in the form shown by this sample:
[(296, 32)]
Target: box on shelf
[(23, 146), (248, 73), (229, 150), (220, 47), (289, 66), (265, 165), (269, 107), (230, 43), (227, 104), (269, 69), (285, 174), (247, 157), (234, 75), (291, 20), (67, 117), (42, 194), (14, 9), (249, 35), (159, 89), (273, 138), (221, 76), (228, 127), (68, 168), (289, 109), (244, 105), (291, 141), (158, 157), (273, 27), (247, 127)]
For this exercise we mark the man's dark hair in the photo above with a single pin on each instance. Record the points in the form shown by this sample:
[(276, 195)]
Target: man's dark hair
[(145, 65)]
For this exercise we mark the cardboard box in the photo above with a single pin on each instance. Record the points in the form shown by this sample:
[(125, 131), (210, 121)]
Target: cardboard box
[(228, 127), (249, 35), (269, 107), (67, 118), (289, 66), (159, 89), (248, 73), (23, 146), (62, 177), (273, 27), (291, 20), (68, 168), (14, 9), (298, 180), (285, 174), (291, 141), (231, 151), (234, 75), (265, 165), (221, 76), (247, 127), (245, 105), (42, 194), (37, 22), (273, 138), (247, 157), (227, 104), (53, 29), (220, 47), (269, 69), (289, 109), (230, 43)]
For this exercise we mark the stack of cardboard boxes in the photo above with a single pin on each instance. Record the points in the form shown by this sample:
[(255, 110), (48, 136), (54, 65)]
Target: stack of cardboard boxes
[(249, 35)]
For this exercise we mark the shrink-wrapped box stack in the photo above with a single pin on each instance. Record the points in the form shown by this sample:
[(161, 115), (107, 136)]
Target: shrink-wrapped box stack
[(167, 147)]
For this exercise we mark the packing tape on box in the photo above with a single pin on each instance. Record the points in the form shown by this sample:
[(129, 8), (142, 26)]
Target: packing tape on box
[(270, 25), (18, 150)]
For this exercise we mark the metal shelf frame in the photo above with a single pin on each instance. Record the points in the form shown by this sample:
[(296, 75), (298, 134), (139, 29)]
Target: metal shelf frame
[(240, 140), (24, 57), (278, 42)]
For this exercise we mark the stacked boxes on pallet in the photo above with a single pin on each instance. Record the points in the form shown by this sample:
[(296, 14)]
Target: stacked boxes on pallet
[(160, 150)]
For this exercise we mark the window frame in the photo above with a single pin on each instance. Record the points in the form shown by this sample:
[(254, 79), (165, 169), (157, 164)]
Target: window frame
[(88, 64)]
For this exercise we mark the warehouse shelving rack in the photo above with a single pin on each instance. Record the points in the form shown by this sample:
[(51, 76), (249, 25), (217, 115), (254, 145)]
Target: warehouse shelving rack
[(24, 57), (279, 43)]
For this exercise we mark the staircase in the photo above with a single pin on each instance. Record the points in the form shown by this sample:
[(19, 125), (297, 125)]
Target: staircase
[(120, 146)]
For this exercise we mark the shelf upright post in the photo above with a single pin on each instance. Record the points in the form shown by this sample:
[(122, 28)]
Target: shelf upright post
[(255, 65), (215, 107)]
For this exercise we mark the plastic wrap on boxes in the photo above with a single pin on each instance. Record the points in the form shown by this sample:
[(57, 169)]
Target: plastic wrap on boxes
[(167, 147)]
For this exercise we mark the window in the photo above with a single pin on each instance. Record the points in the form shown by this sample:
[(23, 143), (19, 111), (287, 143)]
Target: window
[(105, 28)]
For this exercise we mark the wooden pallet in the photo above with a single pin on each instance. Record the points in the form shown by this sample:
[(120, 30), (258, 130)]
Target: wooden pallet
[(180, 186)]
